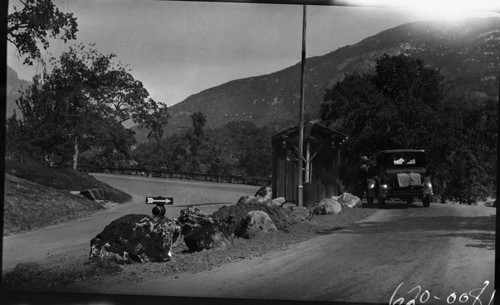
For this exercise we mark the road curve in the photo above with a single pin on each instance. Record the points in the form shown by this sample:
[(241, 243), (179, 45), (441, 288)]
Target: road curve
[(72, 239), (434, 255)]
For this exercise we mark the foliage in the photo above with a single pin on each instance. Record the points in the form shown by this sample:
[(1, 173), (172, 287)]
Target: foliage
[(239, 148), (34, 23), (405, 104), (402, 77), (17, 145), (199, 120), (195, 135), (368, 105), (465, 148), (81, 104)]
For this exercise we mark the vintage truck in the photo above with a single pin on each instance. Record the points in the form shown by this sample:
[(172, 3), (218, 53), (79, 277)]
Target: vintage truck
[(399, 173)]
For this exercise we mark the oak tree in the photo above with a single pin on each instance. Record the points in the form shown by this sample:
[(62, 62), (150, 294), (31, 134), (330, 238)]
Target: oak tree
[(35, 23), (83, 101)]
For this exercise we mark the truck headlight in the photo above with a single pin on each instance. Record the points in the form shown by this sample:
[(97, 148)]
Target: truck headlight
[(427, 186), (371, 184)]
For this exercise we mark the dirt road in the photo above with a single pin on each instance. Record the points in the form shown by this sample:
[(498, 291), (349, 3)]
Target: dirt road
[(435, 256), (72, 239)]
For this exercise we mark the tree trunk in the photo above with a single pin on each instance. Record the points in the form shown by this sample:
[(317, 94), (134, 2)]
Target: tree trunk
[(75, 156)]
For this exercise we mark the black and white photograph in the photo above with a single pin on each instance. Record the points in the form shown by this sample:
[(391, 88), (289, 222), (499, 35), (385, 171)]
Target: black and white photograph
[(240, 152)]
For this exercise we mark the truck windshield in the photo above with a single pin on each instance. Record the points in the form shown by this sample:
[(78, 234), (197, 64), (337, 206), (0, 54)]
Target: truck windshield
[(405, 159)]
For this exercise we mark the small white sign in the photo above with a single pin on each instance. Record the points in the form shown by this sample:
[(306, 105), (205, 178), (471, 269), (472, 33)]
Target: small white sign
[(159, 200)]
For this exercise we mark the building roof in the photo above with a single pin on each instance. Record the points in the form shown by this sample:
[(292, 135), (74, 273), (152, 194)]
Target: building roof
[(401, 150), (312, 132)]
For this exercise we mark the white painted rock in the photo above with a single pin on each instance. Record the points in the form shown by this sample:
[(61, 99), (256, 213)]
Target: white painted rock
[(349, 200), (328, 206)]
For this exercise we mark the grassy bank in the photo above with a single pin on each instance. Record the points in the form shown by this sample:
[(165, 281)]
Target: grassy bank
[(37, 196), (63, 179)]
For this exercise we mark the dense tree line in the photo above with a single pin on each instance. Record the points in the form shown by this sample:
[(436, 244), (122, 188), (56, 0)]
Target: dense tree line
[(406, 104), (238, 148)]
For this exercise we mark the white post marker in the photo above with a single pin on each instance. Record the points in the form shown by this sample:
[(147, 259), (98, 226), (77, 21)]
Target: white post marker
[(160, 200)]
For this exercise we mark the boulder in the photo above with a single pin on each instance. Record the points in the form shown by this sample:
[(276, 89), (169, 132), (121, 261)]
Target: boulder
[(93, 194), (264, 194), (349, 200), (209, 236), (136, 238), (256, 223), (192, 217), (328, 206), (201, 231), (298, 213), (278, 201)]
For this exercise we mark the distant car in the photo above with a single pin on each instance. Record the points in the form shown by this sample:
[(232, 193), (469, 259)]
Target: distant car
[(399, 173)]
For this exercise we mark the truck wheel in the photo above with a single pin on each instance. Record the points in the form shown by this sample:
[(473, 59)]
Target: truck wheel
[(426, 200)]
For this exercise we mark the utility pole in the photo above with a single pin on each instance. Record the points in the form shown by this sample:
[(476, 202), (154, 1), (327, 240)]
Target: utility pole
[(300, 191)]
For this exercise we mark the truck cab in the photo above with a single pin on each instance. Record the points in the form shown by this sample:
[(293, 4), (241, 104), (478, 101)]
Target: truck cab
[(400, 173)]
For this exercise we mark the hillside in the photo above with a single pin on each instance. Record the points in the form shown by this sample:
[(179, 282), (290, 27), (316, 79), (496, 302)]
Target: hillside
[(466, 54)]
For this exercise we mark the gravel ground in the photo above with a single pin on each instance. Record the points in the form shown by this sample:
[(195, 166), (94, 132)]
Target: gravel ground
[(240, 249)]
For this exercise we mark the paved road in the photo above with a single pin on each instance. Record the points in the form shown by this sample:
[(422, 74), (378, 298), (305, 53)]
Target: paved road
[(72, 239), (440, 255)]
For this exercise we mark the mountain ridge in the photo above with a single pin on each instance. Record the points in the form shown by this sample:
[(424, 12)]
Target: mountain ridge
[(464, 52)]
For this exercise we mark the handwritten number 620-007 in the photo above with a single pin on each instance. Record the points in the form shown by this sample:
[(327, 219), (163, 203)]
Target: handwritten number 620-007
[(420, 297)]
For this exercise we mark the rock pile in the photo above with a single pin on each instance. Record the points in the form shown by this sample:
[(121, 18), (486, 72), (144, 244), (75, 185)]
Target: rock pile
[(233, 215), (142, 238)]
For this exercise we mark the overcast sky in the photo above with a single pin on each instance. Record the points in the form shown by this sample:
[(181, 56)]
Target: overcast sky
[(178, 49)]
